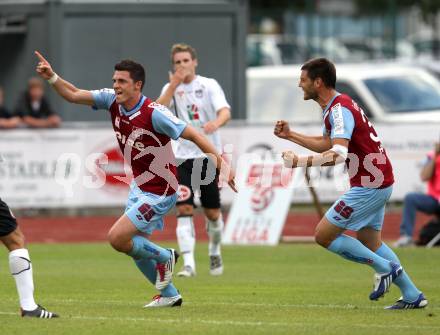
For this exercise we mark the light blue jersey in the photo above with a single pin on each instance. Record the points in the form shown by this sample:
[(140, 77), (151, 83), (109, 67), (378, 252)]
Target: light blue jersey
[(104, 98), (341, 120), (164, 122)]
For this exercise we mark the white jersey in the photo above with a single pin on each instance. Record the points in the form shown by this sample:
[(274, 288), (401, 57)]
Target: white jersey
[(197, 103)]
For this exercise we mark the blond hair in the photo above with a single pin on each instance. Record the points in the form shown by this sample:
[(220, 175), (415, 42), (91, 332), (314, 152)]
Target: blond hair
[(35, 82), (182, 47)]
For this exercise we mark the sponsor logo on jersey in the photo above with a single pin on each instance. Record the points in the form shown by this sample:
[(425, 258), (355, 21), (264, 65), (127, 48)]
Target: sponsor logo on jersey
[(117, 121), (105, 90), (355, 105), (193, 114), (338, 119), (157, 106), (138, 134), (129, 141), (199, 93)]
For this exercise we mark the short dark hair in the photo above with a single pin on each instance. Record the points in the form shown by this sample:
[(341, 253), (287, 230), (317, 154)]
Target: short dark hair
[(136, 70), (321, 68)]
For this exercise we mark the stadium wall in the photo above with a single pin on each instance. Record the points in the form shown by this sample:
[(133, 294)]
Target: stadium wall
[(84, 39)]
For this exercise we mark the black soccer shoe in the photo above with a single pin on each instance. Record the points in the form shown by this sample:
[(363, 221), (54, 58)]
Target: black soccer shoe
[(39, 312)]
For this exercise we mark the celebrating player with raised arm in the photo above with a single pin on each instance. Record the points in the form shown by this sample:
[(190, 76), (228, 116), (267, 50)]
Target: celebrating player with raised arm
[(348, 136), (143, 130)]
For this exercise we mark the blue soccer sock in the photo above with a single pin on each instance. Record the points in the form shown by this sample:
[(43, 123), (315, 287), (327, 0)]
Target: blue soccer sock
[(143, 248), (353, 250), (148, 268), (409, 290)]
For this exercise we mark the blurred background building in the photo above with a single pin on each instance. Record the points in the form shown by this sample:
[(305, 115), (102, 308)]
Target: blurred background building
[(286, 32), (83, 39)]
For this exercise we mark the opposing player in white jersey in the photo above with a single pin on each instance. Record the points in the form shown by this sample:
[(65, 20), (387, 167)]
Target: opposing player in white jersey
[(200, 102), (20, 265)]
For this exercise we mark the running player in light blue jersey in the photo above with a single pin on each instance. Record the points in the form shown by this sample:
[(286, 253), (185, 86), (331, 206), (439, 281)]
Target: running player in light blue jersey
[(144, 130), (349, 137)]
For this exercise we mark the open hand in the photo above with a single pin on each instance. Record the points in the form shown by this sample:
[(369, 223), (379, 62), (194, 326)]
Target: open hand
[(231, 182), (226, 173), (210, 127), (178, 76)]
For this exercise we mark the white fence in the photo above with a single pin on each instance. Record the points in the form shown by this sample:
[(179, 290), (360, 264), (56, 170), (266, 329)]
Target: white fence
[(63, 167)]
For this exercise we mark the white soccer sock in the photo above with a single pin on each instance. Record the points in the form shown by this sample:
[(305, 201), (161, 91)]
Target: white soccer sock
[(186, 239), (21, 269), (215, 231)]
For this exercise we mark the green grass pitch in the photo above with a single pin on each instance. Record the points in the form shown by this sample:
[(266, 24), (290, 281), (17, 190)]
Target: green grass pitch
[(289, 289)]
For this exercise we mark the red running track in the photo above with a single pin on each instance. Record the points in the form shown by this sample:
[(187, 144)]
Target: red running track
[(94, 229)]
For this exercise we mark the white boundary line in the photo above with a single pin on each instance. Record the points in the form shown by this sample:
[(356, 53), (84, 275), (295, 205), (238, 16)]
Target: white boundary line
[(217, 303), (231, 323), (208, 303)]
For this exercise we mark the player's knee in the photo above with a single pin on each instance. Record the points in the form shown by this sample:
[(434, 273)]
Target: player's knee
[(19, 238), (372, 245), (321, 239), (115, 241), (14, 240), (212, 213), (185, 210), (363, 240)]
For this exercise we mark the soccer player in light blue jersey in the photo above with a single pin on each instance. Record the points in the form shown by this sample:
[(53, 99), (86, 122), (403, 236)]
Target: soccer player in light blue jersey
[(144, 130), (350, 138)]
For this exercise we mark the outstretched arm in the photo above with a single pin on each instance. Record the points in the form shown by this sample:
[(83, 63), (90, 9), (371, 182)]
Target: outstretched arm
[(314, 143), (65, 89), (202, 142)]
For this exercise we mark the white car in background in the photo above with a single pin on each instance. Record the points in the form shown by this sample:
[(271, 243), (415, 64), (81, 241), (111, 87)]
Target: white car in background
[(387, 92)]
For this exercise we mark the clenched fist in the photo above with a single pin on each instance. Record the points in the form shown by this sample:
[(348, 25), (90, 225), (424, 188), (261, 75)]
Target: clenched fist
[(282, 129)]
